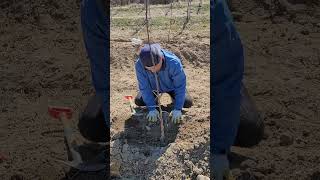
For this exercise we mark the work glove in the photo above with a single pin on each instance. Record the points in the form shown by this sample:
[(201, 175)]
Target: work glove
[(176, 116), (153, 115), (220, 164)]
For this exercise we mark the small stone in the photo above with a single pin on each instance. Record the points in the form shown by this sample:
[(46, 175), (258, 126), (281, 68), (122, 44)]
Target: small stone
[(305, 32), (196, 146), (286, 139), (148, 128), (186, 156), (197, 170), (189, 164), (305, 133), (248, 164), (258, 175), (125, 148), (137, 154), (236, 172), (265, 169), (146, 162), (201, 177), (300, 158), (200, 120)]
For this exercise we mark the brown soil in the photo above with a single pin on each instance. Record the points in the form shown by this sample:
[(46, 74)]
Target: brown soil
[(43, 63), (282, 73)]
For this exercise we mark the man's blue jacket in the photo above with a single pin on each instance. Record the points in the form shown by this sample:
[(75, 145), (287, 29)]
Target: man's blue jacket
[(226, 76), (171, 78)]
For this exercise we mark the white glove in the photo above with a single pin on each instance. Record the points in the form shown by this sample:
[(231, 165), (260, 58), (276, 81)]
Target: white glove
[(153, 115), (176, 116)]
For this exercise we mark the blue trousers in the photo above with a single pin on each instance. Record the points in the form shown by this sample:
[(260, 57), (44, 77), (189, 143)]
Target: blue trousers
[(226, 76), (95, 29)]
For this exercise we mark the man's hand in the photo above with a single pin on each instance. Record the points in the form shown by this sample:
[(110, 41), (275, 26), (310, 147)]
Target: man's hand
[(176, 116), (220, 164), (153, 115)]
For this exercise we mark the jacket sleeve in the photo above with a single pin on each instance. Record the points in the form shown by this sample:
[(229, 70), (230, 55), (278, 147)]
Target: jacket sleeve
[(144, 87), (179, 81)]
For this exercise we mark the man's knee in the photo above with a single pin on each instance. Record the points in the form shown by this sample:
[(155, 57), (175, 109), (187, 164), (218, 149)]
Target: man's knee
[(138, 100), (188, 102)]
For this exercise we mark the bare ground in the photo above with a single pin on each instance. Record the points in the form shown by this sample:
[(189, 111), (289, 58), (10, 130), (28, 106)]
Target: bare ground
[(282, 73)]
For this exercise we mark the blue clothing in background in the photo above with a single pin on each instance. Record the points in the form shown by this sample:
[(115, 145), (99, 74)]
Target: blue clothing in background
[(226, 76), (95, 29), (171, 78)]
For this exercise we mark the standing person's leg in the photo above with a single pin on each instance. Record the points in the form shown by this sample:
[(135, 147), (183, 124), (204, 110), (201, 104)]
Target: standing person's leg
[(95, 31), (226, 77)]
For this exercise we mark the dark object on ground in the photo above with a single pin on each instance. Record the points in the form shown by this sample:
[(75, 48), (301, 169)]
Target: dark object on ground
[(251, 127), (91, 124)]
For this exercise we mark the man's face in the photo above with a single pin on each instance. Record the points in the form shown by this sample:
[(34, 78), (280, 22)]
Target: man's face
[(155, 68)]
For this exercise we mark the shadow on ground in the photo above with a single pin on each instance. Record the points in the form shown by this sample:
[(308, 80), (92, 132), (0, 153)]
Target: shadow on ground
[(135, 150)]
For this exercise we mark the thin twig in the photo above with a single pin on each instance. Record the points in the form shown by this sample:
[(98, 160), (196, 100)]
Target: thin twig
[(200, 6), (171, 19), (155, 73)]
